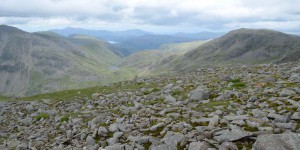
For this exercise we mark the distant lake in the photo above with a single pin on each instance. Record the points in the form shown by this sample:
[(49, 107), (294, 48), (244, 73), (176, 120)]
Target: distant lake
[(112, 42)]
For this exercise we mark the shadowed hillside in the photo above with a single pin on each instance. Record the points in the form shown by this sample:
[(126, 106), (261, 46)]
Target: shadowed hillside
[(43, 62)]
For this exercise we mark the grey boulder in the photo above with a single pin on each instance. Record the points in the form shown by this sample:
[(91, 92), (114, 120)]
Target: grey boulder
[(290, 141)]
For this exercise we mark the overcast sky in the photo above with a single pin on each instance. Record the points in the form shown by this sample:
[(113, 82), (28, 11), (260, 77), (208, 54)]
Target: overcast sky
[(152, 15)]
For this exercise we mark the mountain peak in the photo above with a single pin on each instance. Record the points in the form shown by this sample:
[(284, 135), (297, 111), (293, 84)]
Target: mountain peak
[(9, 29), (244, 46), (254, 31)]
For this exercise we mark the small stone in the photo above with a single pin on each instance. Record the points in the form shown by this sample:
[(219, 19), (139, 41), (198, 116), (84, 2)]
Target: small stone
[(112, 141), (115, 147), (102, 131), (253, 99), (257, 113), (163, 147), (22, 146), (199, 94), (228, 146), (228, 136), (155, 127), (286, 92), (113, 127), (198, 146), (286, 125), (214, 121), (172, 138), (296, 116), (240, 117), (278, 118), (170, 99), (90, 141)]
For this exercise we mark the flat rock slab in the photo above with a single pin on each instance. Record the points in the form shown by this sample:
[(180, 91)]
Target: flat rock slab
[(229, 136), (240, 117), (296, 116), (289, 141)]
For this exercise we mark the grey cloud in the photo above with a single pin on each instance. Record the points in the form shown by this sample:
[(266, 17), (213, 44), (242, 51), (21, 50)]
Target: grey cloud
[(202, 14)]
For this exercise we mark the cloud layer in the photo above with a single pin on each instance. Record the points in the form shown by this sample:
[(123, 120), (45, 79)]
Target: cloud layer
[(219, 15)]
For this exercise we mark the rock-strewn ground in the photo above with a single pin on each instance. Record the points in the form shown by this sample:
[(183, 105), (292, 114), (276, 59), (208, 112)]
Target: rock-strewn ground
[(212, 108)]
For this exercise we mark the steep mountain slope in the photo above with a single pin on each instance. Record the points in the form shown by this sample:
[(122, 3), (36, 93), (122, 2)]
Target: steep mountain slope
[(43, 62), (242, 46)]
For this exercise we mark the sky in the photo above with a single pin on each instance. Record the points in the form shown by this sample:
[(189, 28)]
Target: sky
[(159, 16)]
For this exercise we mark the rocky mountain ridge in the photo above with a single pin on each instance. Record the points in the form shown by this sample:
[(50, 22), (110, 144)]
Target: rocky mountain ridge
[(243, 46)]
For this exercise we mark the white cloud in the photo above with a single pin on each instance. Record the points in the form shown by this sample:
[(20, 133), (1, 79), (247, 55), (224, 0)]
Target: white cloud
[(202, 14)]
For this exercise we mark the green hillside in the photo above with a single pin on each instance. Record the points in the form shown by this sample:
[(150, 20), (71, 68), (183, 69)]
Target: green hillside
[(150, 62), (46, 62)]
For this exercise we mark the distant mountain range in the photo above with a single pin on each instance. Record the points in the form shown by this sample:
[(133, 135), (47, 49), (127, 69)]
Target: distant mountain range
[(134, 40), (32, 63), (103, 34)]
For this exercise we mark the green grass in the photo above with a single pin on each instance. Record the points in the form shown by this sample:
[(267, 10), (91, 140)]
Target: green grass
[(151, 91), (64, 119), (3, 98), (87, 92), (195, 124), (42, 115), (235, 80), (129, 104), (250, 129), (157, 101), (237, 83)]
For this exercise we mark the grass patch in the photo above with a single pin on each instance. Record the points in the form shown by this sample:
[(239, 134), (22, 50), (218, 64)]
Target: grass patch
[(235, 80), (239, 85), (176, 93), (87, 92), (146, 92), (195, 124), (298, 125), (3, 98), (64, 119), (273, 104), (157, 101), (250, 129), (42, 115), (151, 91), (129, 104)]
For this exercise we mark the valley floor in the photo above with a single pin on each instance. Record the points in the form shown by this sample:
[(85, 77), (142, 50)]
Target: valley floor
[(218, 108)]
